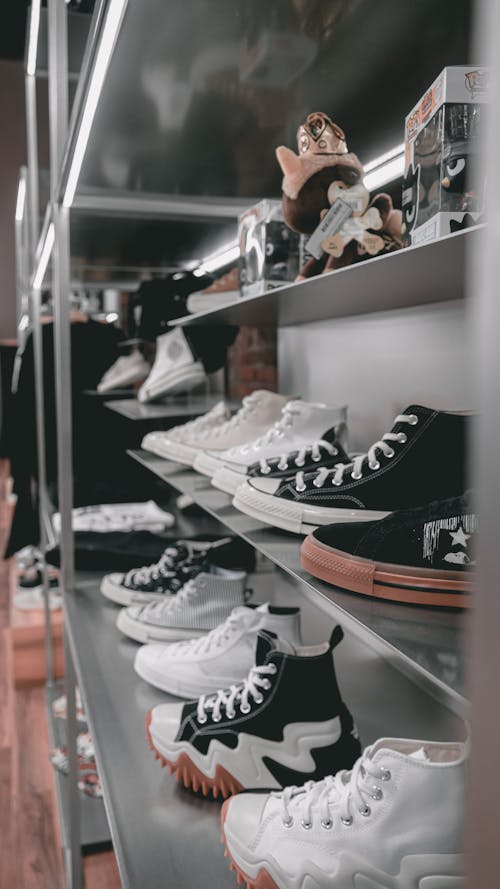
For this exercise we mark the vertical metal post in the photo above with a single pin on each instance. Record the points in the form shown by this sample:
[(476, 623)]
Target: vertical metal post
[(482, 841), (58, 119)]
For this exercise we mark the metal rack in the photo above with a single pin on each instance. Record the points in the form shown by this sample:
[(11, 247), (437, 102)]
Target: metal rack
[(125, 192)]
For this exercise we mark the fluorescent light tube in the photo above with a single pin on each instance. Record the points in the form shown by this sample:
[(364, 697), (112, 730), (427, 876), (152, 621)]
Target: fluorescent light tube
[(33, 37), (21, 199), (103, 57), (388, 156), (393, 169), (44, 258), (217, 260)]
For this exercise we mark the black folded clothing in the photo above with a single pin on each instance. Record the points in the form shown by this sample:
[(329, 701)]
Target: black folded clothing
[(114, 550)]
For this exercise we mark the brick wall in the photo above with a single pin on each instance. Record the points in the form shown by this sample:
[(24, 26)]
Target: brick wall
[(252, 362)]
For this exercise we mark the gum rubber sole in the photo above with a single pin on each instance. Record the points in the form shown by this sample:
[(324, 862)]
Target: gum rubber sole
[(263, 880), (397, 583), (222, 784)]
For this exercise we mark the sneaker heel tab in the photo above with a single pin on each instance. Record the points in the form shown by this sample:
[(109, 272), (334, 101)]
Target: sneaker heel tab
[(336, 637)]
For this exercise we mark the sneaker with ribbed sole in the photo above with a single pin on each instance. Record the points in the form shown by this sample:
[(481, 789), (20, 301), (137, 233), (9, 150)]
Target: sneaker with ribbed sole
[(395, 821), (204, 602), (180, 442), (421, 556), (219, 659), (300, 424), (277, 727), (175, 368), (421, 459)]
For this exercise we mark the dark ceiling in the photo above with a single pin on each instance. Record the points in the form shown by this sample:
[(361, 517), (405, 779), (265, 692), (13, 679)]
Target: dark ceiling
[(12, 32)]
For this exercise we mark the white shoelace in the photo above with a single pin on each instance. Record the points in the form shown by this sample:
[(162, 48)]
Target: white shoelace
[(314, 449), (214, 639), (350, 791), (147, 573), (240, 694), (356, 467), (247, 407)]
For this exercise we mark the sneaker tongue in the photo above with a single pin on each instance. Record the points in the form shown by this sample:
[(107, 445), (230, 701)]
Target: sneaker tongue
[(267, 642)]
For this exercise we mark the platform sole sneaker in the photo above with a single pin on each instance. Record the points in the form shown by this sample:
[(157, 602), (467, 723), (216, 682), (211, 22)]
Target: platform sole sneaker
[(416, 871), (297, 517), (397, 583), (224, 770)]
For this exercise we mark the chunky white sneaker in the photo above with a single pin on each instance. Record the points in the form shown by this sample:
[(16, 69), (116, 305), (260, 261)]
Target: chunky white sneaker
[(201, 604), (175, 368), (301, 424), (224, 656), (126, 371), (393, 822), (181, 443), (258, 412)]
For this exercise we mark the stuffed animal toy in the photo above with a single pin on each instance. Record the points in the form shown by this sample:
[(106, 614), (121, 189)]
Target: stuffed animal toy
[(323, 172)]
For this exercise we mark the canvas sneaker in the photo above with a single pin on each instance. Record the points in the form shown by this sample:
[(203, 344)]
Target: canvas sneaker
[(301, 423), (178, 563), (126, 371), (285, 722), (204, 602), (223, 657), (256, 415), (325, 452), (421, 459), (220, 293), (394, 821), (180, 442), (175, 368), (422, 556)]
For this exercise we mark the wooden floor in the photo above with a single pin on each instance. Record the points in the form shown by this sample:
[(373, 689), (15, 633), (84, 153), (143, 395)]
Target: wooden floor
[(30, 847)]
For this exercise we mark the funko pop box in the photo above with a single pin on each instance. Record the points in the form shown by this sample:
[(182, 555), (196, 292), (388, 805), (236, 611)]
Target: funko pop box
[(269, 250), (443, 191)]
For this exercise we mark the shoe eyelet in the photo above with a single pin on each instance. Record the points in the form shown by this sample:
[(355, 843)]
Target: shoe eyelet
[(231, 715), (346, 821), (376, 793), (266, 471), (288, 822), (316, 459), (365, 812), (356, 476), (375, 465), (337, 484), (412, 419), (390, 454), (316, 484), (266, 684), (245, 710), (306, 824), (385, 774), (402, 437), (216, 718), (274, 670), (327, 824), (300, 463), (259, 700), (202, 721), (300, 489)]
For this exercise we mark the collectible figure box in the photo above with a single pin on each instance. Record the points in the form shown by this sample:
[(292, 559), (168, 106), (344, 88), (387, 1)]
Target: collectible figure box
[(269, 251), (443, 191)]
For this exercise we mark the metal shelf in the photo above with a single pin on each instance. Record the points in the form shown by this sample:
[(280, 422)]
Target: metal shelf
[(414, 276), (181, 408), (425, 644), (94, 828)]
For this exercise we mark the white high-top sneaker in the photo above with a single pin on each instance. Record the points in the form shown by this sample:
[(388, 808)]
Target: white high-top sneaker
[(175, 444), (126, 371), (257, 413), (301, 424), (393, 822), (201, 604), (223, 657), (175, 368)]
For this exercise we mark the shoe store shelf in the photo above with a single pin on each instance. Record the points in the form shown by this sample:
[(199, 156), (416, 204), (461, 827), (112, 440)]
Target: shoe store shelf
[(414, 276), (175, 408), (157, 840), (94, 828), (425, 644)]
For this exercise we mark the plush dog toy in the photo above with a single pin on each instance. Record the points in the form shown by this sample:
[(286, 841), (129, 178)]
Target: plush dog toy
[(323, 173)]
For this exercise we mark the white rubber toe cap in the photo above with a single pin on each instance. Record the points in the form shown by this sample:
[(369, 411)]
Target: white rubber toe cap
[(165, 721), (150, 656), (244, 815), (266, 485)]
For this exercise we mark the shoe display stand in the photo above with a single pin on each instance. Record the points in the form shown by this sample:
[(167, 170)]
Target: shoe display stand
[(403, 670)]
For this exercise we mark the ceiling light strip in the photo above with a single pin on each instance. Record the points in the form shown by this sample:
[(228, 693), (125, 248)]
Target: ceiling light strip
[(33, 37), (45, 255)]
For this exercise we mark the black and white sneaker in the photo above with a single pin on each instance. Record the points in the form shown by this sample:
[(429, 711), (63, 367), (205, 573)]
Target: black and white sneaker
[(324, 453), (422, 556), (285, 724), (165, 577), (420, 460)]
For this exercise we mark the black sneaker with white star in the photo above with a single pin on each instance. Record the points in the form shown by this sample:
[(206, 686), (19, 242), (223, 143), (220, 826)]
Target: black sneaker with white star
[(180, 561), (285, 724), (421, 459), (421, 556)]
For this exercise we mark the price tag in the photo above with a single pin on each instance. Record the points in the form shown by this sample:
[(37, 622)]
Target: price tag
[(329, 225)]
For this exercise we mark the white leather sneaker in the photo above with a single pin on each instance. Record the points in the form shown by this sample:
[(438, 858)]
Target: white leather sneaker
[(302, 423), (393, 822), (179, 443), (256, 415), (223, 657), (127, 370), (175, 368)]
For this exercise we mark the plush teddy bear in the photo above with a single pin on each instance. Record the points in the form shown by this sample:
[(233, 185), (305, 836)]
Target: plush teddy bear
[(323, 172)]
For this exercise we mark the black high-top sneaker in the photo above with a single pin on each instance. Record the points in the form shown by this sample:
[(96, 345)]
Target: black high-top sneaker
[(178, 564), (285, 724), (421, 459), (423, 556)]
